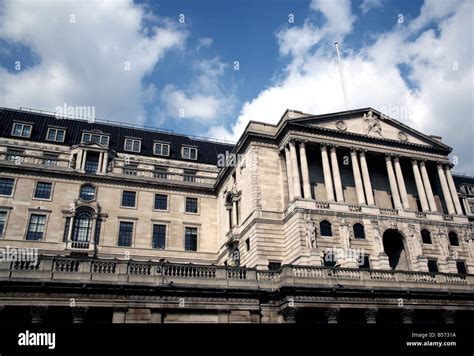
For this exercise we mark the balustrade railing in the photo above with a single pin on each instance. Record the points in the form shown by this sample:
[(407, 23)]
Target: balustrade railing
[(19, 159), (150, 173), (389, 212)]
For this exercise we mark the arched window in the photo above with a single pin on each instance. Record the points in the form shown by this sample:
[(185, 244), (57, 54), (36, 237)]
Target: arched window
[(426, 236), (453, 238), (325, 228), (82, 227), (359, 232), (87, 192)]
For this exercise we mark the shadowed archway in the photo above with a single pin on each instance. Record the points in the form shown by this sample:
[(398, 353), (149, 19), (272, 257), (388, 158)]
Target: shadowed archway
[(394, 247)]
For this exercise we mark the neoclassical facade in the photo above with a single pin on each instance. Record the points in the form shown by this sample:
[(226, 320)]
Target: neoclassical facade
[(344, 217)]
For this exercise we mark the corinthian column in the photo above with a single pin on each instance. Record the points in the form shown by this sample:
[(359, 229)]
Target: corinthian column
[(305, 171), (445, 188), (393, 182), (288, 173), (357, 178), (452, 189), (327, 173), (419, 185), (295, 171), (336, 175), (401, 183), (427, 184), (366, 178)]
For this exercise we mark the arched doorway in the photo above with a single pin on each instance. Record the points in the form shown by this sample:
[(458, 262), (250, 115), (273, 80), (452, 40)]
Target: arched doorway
[(394, 247)]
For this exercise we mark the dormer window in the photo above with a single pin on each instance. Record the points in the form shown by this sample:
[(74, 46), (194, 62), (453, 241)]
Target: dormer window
[(95, 137), (161, 149), (189, 153), (55, 134), (21, 130), (132, 145)]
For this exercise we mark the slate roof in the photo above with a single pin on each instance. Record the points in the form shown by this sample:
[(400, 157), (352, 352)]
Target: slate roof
[(462, 179), (207, 150)]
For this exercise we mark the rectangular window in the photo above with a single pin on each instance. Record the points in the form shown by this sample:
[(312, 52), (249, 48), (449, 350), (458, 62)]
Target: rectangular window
[(161, 202), (365, 262), (6, 186), (191, 205), (161, 149), (433, 266), (132, 145), (329, 258), (274, 266), (55, 135), (189, 175), (43, 190), (159, 236), (21, 130), (129, 198), (36, 227), (92, 162), (190, 239), (247, 244), (3, 222), (96, 138), (50, 159), (189, 153), (125, 234), (461, 266)]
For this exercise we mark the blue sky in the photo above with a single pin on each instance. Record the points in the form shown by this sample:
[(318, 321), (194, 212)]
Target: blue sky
[(136, 62)]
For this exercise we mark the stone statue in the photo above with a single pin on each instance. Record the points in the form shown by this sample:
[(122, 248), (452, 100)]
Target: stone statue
[(373, 124), (415, 236), (377, 238), (345, 236), (468, 240), (443, 242), (310, 233)]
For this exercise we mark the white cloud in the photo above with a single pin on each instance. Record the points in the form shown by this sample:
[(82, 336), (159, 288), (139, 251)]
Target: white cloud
[(84, 62), (368, 5), (437, 99), (204, 42)]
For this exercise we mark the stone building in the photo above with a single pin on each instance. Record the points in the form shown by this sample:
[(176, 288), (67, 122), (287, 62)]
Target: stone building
[(350, 217)]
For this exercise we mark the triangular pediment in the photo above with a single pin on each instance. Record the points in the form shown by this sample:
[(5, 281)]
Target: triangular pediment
[(372, 124)]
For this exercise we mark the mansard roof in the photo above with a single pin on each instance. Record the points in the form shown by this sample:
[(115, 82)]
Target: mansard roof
[(207, 150)]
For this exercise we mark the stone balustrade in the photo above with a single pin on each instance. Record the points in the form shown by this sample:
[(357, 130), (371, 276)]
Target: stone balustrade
[(85, 270), (28, 160)]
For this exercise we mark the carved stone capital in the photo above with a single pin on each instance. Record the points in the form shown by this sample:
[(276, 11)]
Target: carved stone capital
[(289, 314), (78, 314), (37, 313), (448, 316), (332, 314), (371, 315), (407, 316)]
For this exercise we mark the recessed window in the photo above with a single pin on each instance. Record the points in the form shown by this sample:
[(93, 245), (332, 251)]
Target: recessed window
[(132, 145), (43, 190), (50, 159), (55, 135), (432, 266), (92, 162), (161, 149), (426, 236), (159, 236), (129, 198), (6, 186), (36, 227), (365, 263), (3, 221), (161, 202), (191, 205), (325, 228), (82, 227), (461, 267), (453, 238), (189, 175), (87, 192), (274, 266), (21, 130), (329, 259), (125, 233), (96, 138), (359, 232), (189, 153), (190, 239), (247, 244)]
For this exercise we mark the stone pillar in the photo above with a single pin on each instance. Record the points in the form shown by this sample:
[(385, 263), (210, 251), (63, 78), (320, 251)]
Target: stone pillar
[(37, 314), (371, 315), (419, 186), (294, 170), (83, 160), (452, 189), (401, 183), (366, 178), (288, 173), (427, 185), (105, 162), (79, 159), (331, 315), (445, 188), (336, 175), (305, 171), (393, 182), (467, 208), (327, 173), (357, 178), (78, 314)]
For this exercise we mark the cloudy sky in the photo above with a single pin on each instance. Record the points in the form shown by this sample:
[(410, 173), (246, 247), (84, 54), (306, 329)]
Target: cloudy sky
[(208, 67)]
